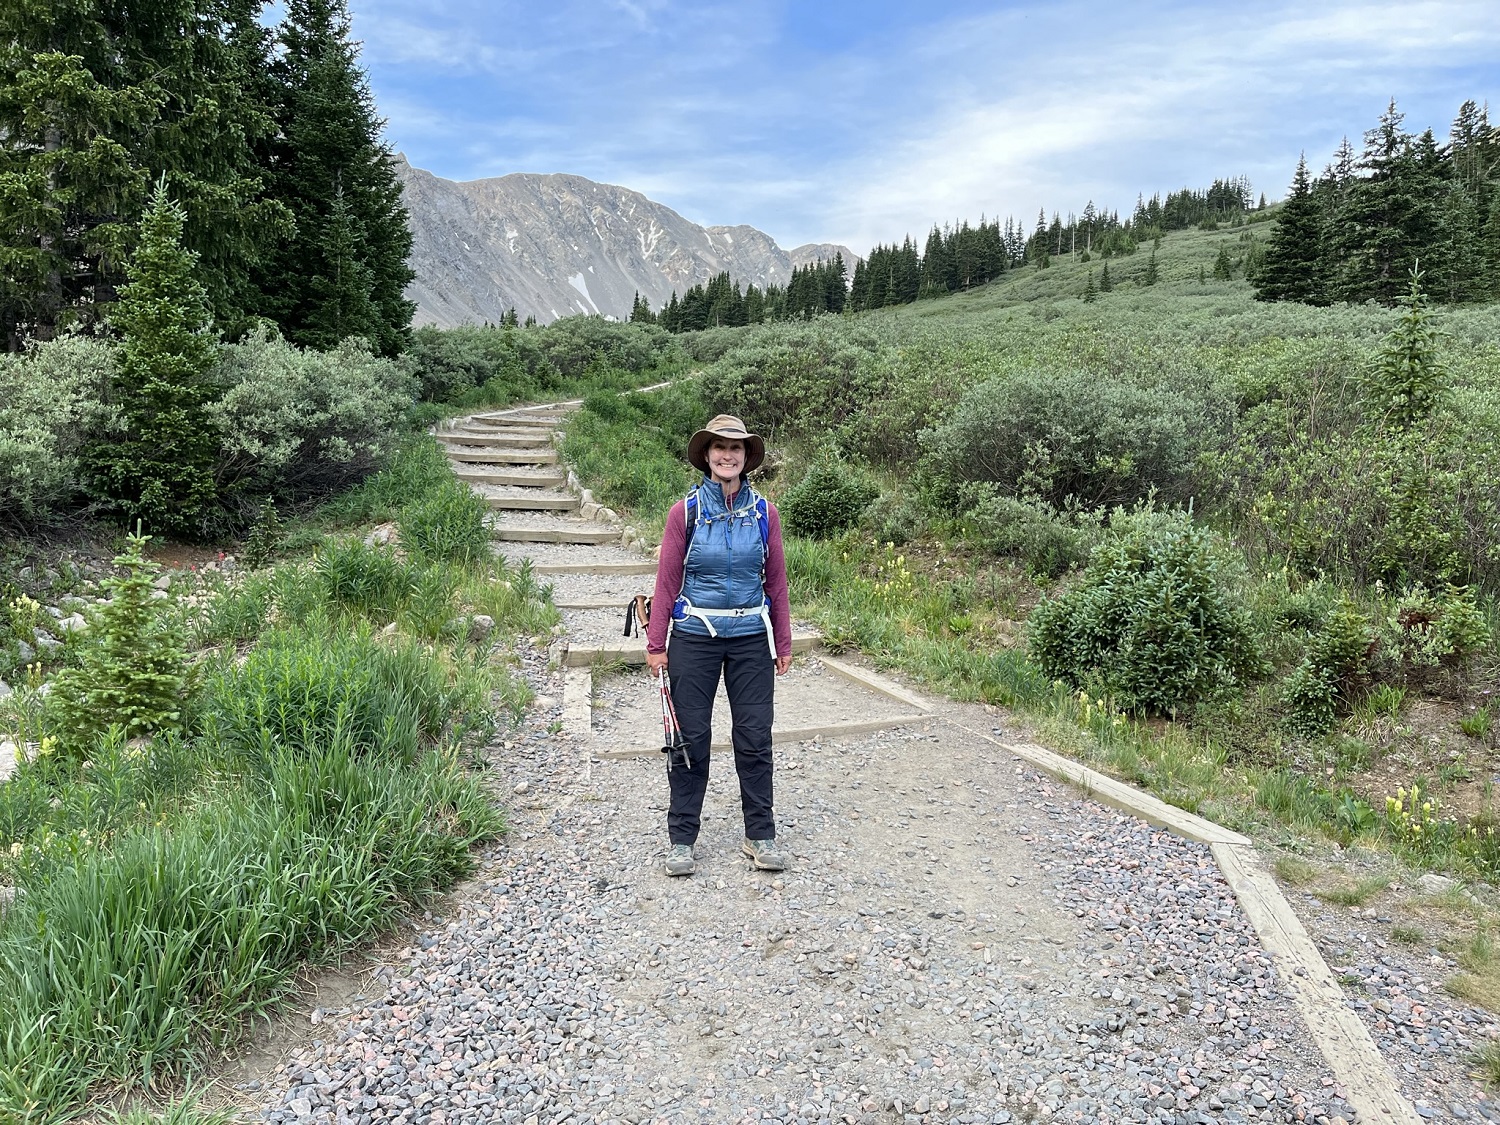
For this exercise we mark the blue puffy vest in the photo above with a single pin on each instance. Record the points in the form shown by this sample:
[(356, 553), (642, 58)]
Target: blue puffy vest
[(725, 565)]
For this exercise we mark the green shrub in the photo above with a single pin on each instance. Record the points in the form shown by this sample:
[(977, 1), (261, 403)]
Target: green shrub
[(52, 399), (1338, 655), (264, 538), (894, 518), (1425, 630), (1049, 541), (1153, 620), (132, 670), (360, 579), (829, 498), (298, 422), (1071, 434), (447, 525)]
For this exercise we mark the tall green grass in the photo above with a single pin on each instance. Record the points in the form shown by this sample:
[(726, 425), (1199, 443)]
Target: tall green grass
[(169, 890)]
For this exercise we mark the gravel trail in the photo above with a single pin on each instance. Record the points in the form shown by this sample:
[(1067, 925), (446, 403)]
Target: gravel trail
[(958, 940)]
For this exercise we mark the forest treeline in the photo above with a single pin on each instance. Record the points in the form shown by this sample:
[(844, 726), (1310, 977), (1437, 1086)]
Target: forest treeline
[(266, 137), (1404, 204), (1356, 232), (954, 258)]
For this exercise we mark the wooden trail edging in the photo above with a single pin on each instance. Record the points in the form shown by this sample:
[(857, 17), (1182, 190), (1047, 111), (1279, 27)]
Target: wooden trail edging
[(1370, 1086)]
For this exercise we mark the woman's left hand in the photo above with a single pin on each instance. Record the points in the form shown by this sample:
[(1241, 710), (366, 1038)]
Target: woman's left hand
[(783, 664)]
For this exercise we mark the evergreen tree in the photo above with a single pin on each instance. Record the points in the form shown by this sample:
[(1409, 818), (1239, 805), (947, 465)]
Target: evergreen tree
[(95, 99), (1293, 255), (1387, 218), (1407, 380), (1153, 275), (1223, 264), (341, 291), (160, 470), (1105, 284), (640, 310), (509, 319), (1090, 294), (330, 145)]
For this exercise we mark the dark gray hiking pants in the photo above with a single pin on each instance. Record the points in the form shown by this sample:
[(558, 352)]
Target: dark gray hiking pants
[(694, 665)]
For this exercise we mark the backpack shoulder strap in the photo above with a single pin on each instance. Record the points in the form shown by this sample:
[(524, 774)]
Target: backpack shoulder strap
[(763, 520), (689, 518)]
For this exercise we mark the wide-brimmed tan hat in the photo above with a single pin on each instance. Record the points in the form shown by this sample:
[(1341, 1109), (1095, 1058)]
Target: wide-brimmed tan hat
[(725, 426)]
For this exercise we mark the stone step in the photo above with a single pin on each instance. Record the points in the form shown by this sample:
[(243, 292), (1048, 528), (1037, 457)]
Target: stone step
[(503, 456), (514, 480), (581, 534), (495, 441), (562, 503), (645, 566)]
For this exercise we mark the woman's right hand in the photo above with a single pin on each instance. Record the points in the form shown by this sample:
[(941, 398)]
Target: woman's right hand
[(656, 663)]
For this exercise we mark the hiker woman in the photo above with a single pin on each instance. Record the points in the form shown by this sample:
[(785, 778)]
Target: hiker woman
[(723, 573)]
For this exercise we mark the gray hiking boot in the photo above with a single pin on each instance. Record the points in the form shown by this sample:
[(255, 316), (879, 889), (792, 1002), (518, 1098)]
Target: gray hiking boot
[(680, 860), (764, 854)]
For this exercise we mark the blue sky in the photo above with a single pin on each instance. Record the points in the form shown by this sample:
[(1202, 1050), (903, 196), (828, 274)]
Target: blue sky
[(860, 122)]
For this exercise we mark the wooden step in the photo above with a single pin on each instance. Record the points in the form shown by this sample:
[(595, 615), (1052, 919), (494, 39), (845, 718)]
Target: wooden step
[(515, 480), (532, 503), (644, 567), (524, 422), (495, 441), (503, 456), (580, 535)]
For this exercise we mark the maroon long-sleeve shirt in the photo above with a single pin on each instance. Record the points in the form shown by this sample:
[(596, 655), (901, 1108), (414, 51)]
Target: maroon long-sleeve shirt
[(669, 580)]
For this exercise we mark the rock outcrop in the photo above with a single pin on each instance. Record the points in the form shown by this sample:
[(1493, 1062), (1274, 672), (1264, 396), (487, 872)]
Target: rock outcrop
[(559, 245)]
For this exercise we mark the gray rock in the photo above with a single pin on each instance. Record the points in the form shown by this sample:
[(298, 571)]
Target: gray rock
[(1431, 884), (25, 652), (5, 690), (46, 642), (73, 623), (163, 582), (481, 625)]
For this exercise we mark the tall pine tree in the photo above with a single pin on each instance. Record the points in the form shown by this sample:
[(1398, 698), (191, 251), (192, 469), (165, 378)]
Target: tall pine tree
[(1293, 257), (330, 148)]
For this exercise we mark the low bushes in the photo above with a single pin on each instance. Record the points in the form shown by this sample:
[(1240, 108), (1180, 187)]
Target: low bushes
[(1152, 623), (297, 423), (1070, 437), (52, 396)]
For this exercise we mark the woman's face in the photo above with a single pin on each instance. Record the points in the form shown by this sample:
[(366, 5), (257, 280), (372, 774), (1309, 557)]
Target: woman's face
[(726, 459)]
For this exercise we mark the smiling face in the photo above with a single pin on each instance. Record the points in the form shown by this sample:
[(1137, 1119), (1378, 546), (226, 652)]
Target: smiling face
[(726, 460)]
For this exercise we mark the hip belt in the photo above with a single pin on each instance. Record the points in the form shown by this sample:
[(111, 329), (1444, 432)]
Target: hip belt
[(684, 608)]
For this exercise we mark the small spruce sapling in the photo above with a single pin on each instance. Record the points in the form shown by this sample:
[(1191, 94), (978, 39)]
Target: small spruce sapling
[(1090, 294), (265, 537), (1407, 381), (133, 669)]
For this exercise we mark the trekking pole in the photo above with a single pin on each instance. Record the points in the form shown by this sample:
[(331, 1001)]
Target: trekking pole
[(674, 743)]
